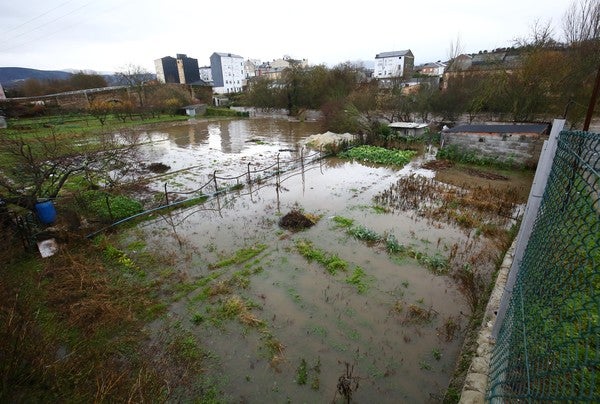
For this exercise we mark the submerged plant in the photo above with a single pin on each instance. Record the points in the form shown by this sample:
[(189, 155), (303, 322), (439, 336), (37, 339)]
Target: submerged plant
[(358, 278), (331, 262), (363, 233)]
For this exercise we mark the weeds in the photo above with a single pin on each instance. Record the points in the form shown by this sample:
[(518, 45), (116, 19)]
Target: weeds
[(302, 373), (435, 263), (418, 315), (347, 383)]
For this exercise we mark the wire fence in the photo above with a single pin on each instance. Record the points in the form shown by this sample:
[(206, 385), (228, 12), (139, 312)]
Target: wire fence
[(548, 344), (217, 185)]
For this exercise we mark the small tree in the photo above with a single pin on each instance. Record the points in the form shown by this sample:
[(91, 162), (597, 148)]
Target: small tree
[(40, 167), (135, 77)]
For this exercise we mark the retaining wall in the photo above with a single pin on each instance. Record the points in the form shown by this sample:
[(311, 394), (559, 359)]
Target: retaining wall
[(513, 147)]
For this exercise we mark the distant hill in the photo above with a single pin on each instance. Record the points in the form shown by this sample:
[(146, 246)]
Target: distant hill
[(9, 76), (12, 76)]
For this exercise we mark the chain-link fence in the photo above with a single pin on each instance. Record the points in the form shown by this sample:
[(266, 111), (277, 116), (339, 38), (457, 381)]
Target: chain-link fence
[(548, 345)]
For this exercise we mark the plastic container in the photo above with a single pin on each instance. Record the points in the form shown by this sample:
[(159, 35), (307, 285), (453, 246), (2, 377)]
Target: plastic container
[(46, 212)]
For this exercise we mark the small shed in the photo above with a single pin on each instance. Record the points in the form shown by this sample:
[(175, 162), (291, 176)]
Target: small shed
[(196, 109), (517, 143), (408, 129)]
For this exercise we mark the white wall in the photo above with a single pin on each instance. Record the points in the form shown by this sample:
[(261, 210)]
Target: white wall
[(233, 75), (389, 67)]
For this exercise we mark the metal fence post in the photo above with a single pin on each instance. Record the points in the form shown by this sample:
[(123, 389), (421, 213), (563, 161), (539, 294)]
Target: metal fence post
[(533, 204)]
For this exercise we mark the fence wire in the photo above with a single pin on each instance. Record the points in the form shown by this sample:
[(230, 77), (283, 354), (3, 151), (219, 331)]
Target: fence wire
[(548, 346)]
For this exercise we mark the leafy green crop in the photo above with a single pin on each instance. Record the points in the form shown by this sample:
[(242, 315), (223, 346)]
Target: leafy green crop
[(379, 155)]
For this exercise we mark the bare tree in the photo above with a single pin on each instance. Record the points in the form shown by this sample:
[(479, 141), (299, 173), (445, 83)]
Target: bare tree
[(582, 21), (456, 48), (541, 35), (135, 77), (40, 167)]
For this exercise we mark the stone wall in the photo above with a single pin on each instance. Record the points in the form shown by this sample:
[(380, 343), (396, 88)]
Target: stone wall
[(510, 147), (476, 382)]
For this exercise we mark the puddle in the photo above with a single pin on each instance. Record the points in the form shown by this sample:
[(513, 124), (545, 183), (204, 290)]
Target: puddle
[(319, 318)]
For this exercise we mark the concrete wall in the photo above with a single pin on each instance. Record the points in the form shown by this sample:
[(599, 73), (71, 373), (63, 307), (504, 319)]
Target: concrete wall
[(514, 147)]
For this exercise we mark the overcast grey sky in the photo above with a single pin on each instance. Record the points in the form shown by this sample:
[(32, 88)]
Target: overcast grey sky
[(105, 35)]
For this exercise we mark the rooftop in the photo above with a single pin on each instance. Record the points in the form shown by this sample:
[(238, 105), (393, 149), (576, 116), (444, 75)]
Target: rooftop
[(407, 125), (393, 54), (500, 128)]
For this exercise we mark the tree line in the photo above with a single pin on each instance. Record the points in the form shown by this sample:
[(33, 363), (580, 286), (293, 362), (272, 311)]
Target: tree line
[(553, 76), (33, 87)]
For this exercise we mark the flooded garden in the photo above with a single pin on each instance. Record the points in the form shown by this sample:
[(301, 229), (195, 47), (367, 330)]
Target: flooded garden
[(323, 278)]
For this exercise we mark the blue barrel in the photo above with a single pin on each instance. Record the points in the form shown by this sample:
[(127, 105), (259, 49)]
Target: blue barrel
[(46, 212)]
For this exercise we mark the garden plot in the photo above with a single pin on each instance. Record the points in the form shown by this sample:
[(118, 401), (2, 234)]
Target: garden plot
[(371, 300)]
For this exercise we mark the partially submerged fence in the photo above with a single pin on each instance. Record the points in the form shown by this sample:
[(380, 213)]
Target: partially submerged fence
[(548, 338), (217, 185)]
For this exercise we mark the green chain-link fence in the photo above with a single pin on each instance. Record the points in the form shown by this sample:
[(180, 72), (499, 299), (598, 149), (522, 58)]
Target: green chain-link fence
[(548, 345)]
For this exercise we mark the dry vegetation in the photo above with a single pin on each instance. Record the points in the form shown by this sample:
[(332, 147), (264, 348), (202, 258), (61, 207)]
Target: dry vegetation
[(72, 326)]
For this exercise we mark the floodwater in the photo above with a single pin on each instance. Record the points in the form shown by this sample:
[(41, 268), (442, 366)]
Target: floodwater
[(317, 317)]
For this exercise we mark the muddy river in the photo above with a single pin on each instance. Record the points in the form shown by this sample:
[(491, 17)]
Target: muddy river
[(277, 326)]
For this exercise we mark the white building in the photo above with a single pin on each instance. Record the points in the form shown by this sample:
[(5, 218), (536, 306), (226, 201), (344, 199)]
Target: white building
[(433, 69), (393, 64), (206, 74), (227, 72)]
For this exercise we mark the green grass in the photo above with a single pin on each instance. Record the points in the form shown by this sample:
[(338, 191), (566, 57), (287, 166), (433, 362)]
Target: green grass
[(109, 207), (81, 123)]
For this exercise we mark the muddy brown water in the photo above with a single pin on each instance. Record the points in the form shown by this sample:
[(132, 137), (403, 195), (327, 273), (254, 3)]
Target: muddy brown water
[(317, 317)]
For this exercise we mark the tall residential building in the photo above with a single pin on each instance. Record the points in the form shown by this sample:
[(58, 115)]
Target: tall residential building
[(227, 72), (188, 69), (166, 70), (393, 64), (182, 69)]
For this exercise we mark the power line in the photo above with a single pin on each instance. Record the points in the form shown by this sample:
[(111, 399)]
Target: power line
[(49, 22), (36, 17)]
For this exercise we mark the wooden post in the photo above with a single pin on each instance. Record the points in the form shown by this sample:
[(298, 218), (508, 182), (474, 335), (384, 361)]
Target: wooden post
[(215, 180), (249, 178), (277, 170), (166, 194)]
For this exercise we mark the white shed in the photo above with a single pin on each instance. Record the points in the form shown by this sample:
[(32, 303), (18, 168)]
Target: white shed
[(408, 129)]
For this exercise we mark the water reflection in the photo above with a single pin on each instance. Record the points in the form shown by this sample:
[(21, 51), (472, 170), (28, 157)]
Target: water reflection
[(238, 135)]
